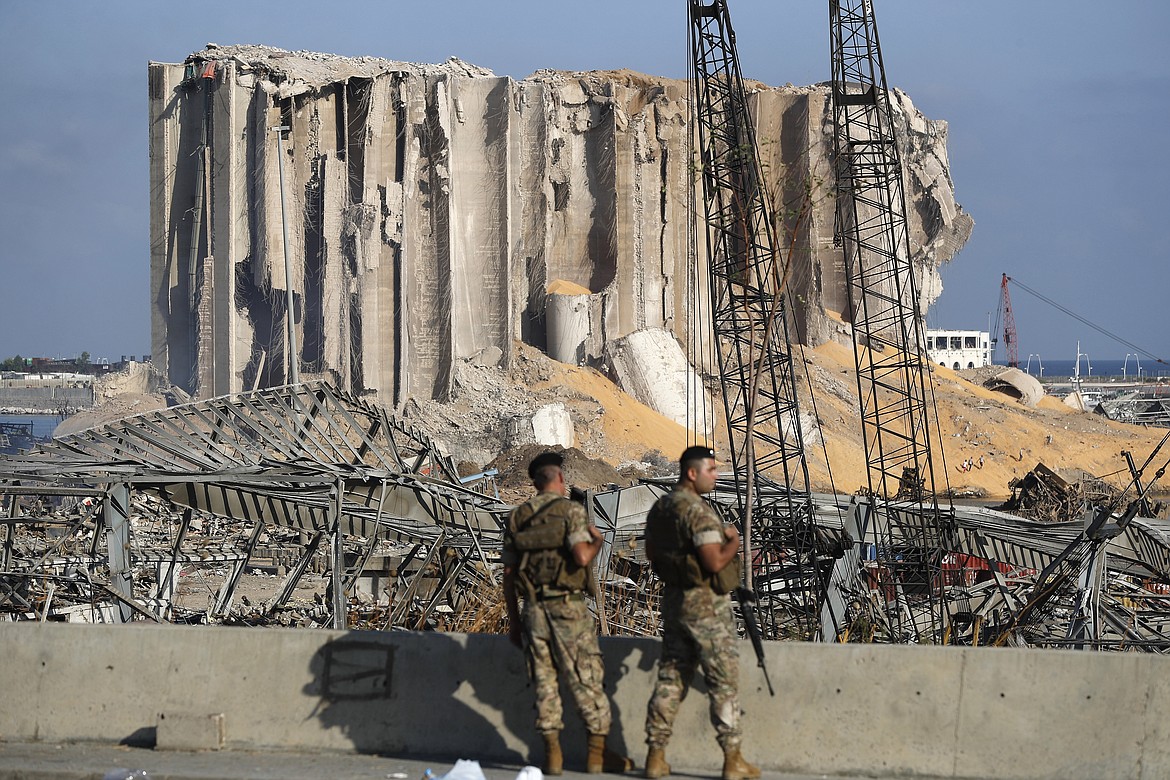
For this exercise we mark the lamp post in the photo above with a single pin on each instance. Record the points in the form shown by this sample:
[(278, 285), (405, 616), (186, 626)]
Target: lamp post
[(1028, 369), (1077, 367), (1125, 365)]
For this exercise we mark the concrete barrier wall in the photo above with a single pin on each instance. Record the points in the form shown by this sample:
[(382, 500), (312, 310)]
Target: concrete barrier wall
[(838, 710), (45, 398)]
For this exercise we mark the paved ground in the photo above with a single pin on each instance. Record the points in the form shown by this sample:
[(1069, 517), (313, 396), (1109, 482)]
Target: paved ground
[(89, 761)]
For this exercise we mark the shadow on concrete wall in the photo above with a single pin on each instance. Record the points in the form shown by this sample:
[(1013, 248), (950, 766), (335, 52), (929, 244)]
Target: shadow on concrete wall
[(455, 696)]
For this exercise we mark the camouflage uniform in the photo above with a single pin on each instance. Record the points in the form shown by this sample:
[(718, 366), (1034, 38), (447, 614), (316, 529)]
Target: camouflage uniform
[(697, 630), (559, 632)]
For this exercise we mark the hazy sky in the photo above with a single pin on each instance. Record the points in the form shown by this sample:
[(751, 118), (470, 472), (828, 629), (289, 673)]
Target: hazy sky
[(1058, 111)]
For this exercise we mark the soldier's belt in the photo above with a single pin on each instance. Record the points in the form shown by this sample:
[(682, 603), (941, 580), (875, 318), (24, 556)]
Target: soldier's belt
[(570, 596)]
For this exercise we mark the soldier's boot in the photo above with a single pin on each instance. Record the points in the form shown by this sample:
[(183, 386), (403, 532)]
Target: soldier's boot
[(602, 759), (554, 762), (656, 765), (735, 767)]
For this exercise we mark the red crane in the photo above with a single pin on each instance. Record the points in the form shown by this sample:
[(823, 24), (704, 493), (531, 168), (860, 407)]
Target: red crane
[(1009, 323)]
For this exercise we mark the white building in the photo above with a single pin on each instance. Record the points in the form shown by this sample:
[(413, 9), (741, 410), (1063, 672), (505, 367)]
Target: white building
[(959, 348)]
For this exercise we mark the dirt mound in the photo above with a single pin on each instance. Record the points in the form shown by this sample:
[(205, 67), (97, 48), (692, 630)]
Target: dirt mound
[(580, 470)]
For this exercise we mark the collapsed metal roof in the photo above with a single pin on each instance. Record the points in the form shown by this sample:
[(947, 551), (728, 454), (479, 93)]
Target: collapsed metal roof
[(307, 477)]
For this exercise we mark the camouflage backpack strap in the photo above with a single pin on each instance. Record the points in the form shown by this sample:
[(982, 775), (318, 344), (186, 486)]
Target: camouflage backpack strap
[(541, 539), (533, 535)]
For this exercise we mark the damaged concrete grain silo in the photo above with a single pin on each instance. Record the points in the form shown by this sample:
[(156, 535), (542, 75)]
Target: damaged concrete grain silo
[(431, 207)]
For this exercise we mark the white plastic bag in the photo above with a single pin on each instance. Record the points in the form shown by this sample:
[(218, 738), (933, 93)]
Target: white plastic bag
[(530, 773), (465, 770)]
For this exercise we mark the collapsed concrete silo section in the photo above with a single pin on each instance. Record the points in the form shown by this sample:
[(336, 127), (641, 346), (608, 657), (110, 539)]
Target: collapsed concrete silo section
[(650, 366)]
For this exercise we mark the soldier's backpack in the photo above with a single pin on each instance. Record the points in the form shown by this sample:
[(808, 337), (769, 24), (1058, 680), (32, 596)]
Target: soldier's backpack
[(540, 539), (676, 561)]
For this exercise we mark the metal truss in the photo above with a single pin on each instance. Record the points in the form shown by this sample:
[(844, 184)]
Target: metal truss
[(750, 324), (299, 462), (897, 398)]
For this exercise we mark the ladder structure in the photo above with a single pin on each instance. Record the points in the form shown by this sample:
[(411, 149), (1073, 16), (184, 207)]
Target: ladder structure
[(900, 516), (751, 330)]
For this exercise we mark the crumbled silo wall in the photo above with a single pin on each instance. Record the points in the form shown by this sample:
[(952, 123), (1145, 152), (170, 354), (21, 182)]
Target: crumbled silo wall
[(429, 208)]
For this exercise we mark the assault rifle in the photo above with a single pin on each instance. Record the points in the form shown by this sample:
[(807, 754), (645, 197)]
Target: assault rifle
[(747, 608)]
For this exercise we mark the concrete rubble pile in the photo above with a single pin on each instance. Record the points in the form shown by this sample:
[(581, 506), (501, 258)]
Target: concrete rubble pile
[(440, 212)]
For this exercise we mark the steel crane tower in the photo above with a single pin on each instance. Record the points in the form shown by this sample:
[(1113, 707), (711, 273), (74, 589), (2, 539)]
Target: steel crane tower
[(751, 329), (1009, 323), (901, 515)]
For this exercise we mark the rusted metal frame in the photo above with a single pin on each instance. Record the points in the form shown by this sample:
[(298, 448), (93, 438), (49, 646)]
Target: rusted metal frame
[(49, 490), (227, 592), (363, 559), (164, 588), (217, 416), (108, 446), (332, 410), (475, 543), (404, 603), (178, 446), (124, 601), (296, 573), (9, 534), (448, 581), (285, 407), (212, 420), (116, 515), (310, 432), (337, 564), (369, 444), (604, 553), (275, 418)]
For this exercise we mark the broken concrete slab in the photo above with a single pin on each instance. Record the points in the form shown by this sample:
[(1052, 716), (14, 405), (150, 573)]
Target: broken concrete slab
[(650, 366), (1024, 387)]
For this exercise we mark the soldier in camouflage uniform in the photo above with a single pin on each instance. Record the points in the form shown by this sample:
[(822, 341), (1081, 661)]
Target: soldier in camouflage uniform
[(548, 546), (697, 559)]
